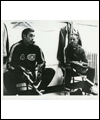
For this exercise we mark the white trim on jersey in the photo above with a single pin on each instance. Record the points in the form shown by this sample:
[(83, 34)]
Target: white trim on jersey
[(12, 50), (42, 55)]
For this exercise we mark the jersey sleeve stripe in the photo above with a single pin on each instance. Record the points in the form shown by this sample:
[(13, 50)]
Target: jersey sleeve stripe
[(12, 50), (42, 56)]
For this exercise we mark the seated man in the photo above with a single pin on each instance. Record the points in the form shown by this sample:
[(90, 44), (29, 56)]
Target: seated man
[(76, 63), (25, 59)]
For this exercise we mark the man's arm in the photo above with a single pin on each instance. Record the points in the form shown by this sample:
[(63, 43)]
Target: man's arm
[(40, 60), (14, 56), (82, 55)]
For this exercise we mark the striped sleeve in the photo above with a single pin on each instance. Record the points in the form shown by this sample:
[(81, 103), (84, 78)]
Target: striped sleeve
[(14, 54), (40, 57)]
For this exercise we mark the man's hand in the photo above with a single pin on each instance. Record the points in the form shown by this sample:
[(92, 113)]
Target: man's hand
[(27, 77), (84, 64), (80, 64), (40, 67)]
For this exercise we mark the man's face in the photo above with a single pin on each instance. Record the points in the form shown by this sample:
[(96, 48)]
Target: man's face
[(73, 40), (29, 38)]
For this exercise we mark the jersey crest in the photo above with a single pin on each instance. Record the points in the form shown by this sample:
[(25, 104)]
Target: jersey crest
[(22, 57), (31, 57)]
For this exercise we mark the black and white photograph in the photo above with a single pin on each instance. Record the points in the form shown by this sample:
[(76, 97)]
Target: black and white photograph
[(50, 58)]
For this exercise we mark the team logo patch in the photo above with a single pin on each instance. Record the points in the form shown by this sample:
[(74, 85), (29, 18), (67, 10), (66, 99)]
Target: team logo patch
[(22, 57), (31, 57)]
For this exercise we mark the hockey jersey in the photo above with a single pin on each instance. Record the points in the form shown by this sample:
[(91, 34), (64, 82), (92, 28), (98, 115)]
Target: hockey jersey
[(26, 56)]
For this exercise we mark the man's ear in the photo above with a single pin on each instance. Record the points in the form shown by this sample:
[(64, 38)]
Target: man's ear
[(24, 36)]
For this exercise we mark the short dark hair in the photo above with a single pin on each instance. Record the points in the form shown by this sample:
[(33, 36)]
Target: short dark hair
[(26, 31)]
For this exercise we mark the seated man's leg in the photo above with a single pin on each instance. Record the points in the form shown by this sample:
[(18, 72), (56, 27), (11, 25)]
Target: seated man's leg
[(90, 88), (68, 77), (90, 74), (69, 73), (10, 83), (47, 77)]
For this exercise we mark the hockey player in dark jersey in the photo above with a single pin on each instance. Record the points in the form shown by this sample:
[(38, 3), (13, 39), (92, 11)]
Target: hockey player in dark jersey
[(25, 58)]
